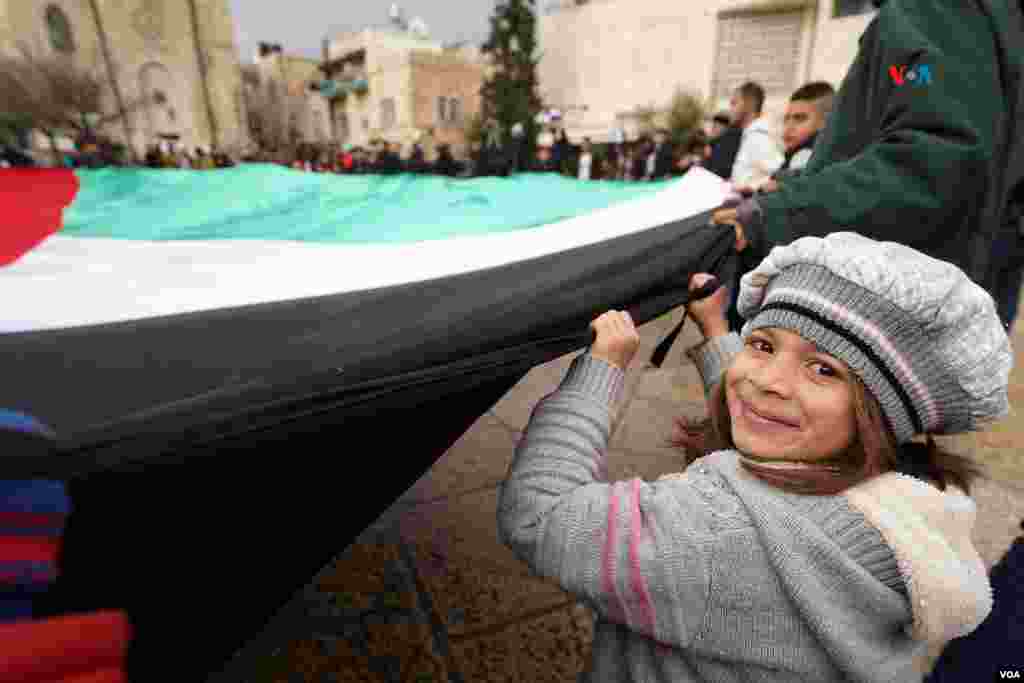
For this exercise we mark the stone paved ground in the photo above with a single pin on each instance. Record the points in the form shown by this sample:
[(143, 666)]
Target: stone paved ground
[(429, 595)]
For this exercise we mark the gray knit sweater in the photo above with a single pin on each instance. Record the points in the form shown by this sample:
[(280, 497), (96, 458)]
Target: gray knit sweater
[(713, 575)]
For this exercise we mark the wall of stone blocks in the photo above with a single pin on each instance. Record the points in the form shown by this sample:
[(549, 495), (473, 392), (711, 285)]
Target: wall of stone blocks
[(148, 39), (610, 58)]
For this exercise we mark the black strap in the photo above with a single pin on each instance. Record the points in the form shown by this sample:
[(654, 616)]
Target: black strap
[(709, 288)]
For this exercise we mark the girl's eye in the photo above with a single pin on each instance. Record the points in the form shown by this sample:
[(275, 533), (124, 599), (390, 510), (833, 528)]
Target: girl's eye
[(760, 345), (824, 369)]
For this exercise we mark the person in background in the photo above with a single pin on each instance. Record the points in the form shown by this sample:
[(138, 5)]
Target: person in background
[(446, 164), (560, 151), (586, 160), (611, 161), (759, 155), (660, 157), (545, 162), (417, 161), (641, 153), (153, 156), (725, 143), (626, 161), (347, 160), (696, 153)]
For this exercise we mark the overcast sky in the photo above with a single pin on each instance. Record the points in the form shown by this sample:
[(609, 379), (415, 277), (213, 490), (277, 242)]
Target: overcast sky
[(301, 25)]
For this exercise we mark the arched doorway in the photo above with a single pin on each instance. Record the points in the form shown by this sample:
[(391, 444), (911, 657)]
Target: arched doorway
[(162, 114)]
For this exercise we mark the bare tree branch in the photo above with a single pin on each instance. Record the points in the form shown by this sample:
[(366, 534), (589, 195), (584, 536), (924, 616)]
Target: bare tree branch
[(55, 93)]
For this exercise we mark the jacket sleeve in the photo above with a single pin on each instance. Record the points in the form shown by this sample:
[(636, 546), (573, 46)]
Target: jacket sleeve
[(713, 357), (637, 552), (928, 156)]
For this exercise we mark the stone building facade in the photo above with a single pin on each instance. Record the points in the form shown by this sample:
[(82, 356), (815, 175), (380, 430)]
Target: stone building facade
[(603, 59), (180, 52), (306, 111), (445, 92), (401, 86)]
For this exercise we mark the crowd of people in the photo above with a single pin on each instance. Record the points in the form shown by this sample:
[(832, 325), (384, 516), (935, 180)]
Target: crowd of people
[(169, 155)]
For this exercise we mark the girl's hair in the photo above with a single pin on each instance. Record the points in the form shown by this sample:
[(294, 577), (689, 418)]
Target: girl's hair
[(874, 451)]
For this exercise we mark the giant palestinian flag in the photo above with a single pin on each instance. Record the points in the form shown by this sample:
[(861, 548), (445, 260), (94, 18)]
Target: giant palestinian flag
[(247, 366)]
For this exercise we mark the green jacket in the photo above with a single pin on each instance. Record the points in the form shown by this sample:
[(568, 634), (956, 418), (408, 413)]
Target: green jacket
[(921, 163)]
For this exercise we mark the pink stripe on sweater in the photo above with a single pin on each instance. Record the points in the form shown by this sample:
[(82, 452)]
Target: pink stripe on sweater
[(639, 582), (932, 415), (616, 609)]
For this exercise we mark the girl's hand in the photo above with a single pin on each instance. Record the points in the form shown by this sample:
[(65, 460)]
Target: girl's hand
[(617, 340), (709, 312)]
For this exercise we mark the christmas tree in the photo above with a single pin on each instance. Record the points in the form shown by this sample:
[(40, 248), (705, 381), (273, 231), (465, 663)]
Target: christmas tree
[(510, 92)]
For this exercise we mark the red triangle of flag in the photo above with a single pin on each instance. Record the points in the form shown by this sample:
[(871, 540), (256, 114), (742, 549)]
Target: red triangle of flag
[(32, 203)]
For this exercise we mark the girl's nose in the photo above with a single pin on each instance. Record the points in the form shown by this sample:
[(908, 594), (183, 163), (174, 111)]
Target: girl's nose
[(773, 377)]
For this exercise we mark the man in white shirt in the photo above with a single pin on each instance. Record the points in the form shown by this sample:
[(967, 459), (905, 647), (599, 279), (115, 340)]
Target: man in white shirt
[(759, 155), (586, 160)]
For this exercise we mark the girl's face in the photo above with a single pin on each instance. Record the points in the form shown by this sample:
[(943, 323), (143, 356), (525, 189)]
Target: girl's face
[(788, 400)]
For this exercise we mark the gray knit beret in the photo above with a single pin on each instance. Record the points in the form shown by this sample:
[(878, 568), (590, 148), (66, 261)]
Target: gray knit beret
[(922, 336)]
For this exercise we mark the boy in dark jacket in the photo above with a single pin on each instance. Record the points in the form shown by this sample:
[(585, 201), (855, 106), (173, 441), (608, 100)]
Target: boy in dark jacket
[(915, 149)]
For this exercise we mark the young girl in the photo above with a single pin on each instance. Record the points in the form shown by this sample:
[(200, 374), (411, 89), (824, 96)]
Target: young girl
[(820, 541)]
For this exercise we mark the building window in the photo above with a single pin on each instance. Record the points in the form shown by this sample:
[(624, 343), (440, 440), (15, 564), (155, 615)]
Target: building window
[(60, 30), (366, 123), (849, 8), (448, 110), (388, 117), (759, 47)]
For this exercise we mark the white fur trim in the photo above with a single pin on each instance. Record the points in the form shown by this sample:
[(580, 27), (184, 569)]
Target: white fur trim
[(929, 532)]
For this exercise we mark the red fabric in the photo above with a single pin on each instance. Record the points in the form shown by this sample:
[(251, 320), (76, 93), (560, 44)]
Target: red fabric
[(32, 203), (28, 549), (31, 520), (114, 675), (70, 648)]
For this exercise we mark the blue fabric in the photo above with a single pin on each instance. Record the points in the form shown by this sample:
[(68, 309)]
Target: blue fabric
[(13, 420), (1010, 277), (34, 495), (998, 644), (12, 608)]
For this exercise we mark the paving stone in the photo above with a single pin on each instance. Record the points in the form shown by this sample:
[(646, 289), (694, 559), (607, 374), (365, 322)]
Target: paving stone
[(364, 572), (480, 458), (391, 638), (649, 423), (425, 666), (1000, 511), (462, 527), (470, 598), (555, 648), (308, 659), (516, 406), (492, 658)]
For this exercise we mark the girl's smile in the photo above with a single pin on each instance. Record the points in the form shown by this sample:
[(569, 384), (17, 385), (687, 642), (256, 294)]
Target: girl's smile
[(761, 420)]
